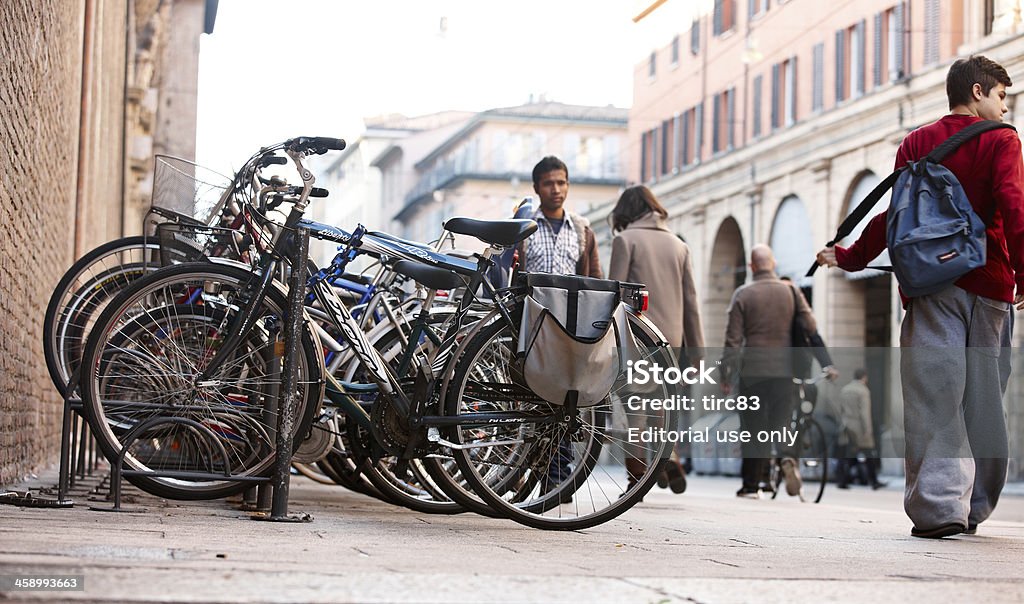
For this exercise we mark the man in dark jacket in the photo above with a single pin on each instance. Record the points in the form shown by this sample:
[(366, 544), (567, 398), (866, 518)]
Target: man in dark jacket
[(757, 340)]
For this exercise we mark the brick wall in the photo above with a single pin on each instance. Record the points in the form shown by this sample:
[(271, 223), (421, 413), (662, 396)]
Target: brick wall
[(46, 218)]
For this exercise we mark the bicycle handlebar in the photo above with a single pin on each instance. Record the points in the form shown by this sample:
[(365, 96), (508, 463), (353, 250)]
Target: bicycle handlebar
[(812, 380), (316, 145)]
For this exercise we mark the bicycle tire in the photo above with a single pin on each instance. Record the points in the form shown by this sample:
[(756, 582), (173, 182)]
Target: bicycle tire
[(812, 448), (399, 480), (595, 484), (812, 462), (81, 294), (161, 343)]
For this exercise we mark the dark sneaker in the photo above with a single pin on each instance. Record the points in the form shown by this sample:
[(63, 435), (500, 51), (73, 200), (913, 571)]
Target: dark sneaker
[(662, 478), (879, 485), (972, 529), (749, 493), (946, 530), (791, 475), (676, 477)]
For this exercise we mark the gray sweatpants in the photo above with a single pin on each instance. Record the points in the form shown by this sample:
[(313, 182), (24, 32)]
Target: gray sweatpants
[(954, 365)]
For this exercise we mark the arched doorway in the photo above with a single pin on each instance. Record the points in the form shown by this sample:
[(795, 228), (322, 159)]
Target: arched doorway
[(868, 299), (727, 270), (791, 241)]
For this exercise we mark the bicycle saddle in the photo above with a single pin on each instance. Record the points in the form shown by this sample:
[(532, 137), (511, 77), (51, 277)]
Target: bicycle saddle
[(505, 233), (430, 276)]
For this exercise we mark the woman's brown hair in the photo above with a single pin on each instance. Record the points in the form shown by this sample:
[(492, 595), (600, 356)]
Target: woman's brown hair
[(635, 202)]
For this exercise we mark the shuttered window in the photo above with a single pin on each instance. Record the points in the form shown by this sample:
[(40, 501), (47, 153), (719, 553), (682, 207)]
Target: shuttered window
[(878, 65), (789, 72), (687, 137), (698, 144), (716, 129), (897, 68), (856, 59), (730, 117), (931, 31), (775, 96), (756, 121), (644, 157), (725, 16), (842, 75), (818, 82), (666, 147)]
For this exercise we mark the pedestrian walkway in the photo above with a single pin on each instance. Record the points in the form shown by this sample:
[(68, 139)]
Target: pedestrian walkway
[(705, 546)]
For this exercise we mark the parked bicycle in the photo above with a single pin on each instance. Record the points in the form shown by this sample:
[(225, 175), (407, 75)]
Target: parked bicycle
[(211, 356)]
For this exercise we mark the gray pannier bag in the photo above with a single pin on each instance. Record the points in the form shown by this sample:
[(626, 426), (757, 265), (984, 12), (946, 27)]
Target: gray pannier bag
[(574, 338)]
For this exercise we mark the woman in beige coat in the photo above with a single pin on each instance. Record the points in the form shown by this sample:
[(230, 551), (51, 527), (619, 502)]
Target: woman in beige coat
[(645, 251)]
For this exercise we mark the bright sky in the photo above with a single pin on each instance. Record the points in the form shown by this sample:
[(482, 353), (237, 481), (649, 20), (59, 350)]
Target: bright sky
[(274, 69)]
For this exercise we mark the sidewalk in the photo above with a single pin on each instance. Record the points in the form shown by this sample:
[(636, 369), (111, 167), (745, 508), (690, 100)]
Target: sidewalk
[(703, 546)]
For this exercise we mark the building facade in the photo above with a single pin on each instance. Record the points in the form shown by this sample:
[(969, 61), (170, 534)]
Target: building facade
[(356, 176), (767, 121), (484, 168), (70, 118)]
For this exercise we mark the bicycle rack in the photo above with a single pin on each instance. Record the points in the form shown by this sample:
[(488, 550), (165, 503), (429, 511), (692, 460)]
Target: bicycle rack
[(117, 471), (78, 456), (285, 417)]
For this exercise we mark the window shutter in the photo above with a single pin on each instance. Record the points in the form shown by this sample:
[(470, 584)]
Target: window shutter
[(698, 150), (818, 92), (731, 118), (792, 89), (752, 7), (861, 59), (840, 64), (716, 114), (695, 36), (899, 64), (757, 106), (677, 142), (686, 136), (931, 31), (876, 72), (643, 157), (666, 146), (775, 96), (718, 17)]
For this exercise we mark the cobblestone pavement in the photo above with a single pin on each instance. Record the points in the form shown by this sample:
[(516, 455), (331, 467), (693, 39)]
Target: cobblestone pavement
[(703, 546)]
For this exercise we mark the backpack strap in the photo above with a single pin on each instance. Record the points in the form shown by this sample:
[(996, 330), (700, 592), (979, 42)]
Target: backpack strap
[(952, 143), (937, 155)]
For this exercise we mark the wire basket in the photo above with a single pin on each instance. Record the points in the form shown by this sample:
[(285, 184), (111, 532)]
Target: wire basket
[(183, 242), (184, 191)]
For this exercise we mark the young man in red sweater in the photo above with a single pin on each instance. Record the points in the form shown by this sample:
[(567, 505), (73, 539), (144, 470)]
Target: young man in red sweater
[(954, 363)]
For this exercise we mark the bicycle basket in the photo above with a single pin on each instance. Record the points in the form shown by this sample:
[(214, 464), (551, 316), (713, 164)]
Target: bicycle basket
[(184, 191), (180, 242), (574, 338)]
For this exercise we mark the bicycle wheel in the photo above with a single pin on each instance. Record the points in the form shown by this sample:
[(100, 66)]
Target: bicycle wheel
[(510, 463), (144, 356), (812, 448), (402, 481), (83, 291), (812, 461)]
